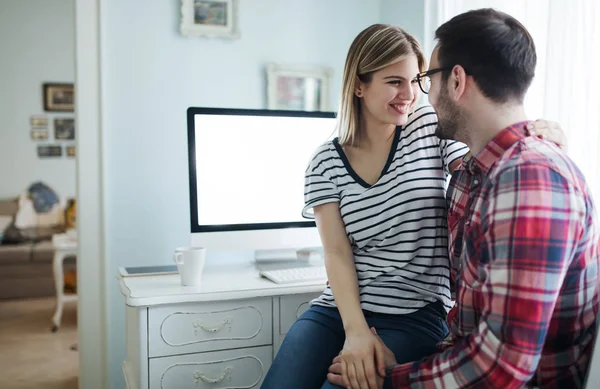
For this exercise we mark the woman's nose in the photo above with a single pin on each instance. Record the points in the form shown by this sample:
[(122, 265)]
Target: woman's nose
[(406, 92)]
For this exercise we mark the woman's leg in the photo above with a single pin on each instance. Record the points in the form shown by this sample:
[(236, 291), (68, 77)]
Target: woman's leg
[(410, 337), (329, 385), (414, 336), (307, 351)]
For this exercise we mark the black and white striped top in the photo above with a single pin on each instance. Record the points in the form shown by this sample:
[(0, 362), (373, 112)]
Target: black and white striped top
[(397, 227)]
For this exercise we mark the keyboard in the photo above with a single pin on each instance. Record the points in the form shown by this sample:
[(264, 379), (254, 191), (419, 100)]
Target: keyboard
[(299, 274)]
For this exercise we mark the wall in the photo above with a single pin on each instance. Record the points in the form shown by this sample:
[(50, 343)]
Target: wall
[(408, 14), (151, 75), (36, 41)]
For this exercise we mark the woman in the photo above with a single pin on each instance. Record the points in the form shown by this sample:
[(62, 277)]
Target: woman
[(377, 195)]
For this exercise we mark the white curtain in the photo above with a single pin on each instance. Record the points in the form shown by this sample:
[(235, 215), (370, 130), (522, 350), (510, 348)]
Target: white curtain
[(566, 88)]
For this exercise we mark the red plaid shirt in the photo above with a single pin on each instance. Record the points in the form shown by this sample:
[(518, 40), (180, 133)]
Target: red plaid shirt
[(526, 272)]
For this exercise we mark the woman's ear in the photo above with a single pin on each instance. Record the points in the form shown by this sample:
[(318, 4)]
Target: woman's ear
[(358, 88)]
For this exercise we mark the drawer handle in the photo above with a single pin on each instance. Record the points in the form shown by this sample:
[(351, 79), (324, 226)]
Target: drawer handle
[(200, 376), (217, 328)]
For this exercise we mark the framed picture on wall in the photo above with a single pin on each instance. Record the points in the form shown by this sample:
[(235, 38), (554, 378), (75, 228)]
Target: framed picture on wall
[(39, 121), (298, 88), (39, 134), (49, 151), (64, 129), (210, 18), (58, 97)]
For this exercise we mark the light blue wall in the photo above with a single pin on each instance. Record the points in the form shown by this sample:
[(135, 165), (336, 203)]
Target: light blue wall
[(151, 75), (407, 14), (36, 46)]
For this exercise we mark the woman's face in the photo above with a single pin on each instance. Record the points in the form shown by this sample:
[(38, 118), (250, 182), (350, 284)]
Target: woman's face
[(392, 92)]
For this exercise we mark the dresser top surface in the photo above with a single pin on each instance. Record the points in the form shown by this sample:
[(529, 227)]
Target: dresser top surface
[(218, 283)]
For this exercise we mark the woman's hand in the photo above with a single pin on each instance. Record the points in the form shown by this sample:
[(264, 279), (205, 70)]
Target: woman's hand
[(549, 130), (335, 370), (362, 354)]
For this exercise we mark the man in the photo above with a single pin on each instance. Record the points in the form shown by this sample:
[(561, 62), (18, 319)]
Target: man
[(524, 234)]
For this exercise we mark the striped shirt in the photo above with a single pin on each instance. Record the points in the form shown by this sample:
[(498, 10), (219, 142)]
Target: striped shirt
[(397, 227), (525, 242)]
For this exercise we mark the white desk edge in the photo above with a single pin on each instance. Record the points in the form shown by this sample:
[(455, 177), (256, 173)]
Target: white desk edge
[(226, 282)]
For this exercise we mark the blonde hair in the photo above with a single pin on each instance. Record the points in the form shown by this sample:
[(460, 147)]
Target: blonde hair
[(373, 49)]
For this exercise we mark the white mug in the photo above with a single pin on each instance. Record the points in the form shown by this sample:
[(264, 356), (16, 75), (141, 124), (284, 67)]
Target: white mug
[(190, 263)]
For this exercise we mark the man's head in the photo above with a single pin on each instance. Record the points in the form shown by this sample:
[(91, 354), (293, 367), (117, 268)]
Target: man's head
[(487, 56)]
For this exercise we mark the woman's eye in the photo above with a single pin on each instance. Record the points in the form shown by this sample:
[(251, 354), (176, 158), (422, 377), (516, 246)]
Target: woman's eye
[(414, 81), (396, 82)]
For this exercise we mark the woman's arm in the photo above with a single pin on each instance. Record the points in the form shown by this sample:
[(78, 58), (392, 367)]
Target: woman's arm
[(361, 353), (452, 167), (339, 262), (552, 131)]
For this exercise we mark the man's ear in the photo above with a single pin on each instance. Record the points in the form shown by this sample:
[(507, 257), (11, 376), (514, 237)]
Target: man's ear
[(457, 82)]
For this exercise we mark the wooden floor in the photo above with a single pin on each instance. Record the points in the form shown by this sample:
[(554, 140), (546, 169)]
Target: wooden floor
[(31, 356)]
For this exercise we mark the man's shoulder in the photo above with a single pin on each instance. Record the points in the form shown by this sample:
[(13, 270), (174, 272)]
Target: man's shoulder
[(534, 154)]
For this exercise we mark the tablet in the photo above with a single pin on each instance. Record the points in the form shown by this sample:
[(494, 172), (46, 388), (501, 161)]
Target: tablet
[(150, 270)]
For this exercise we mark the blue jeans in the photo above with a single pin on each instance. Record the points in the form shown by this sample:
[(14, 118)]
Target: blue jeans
[(318, 336)]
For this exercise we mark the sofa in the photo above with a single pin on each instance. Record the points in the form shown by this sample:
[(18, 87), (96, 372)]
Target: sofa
[(26, 266)]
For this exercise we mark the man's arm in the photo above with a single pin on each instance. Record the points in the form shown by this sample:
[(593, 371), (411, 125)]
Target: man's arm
[(530, 225)]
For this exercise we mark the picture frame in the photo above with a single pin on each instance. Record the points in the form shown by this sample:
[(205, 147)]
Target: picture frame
[(49, 151), (39, 134), (39, 121), (210, 18), (58, 97), (64, 129), (70, 151), (292, 87)]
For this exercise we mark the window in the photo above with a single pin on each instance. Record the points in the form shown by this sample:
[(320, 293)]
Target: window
[(566, 88)]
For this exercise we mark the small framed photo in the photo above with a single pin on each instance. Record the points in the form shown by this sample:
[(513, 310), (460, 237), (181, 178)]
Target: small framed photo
[(39, 133), (49, 151), (59, 97), (211, 18), (70, 151), (64, 129), (298, 88), (39, 121)]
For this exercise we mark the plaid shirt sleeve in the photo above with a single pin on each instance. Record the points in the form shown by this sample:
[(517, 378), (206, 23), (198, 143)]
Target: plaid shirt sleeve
[(531, 221)]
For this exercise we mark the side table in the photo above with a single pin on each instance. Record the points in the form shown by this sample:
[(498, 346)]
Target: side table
[(64, 246)]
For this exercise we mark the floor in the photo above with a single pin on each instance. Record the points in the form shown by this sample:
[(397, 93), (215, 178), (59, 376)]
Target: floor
[(31, 356)]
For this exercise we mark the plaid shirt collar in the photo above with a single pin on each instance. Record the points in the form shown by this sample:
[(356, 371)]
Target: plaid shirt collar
[(486, 158)]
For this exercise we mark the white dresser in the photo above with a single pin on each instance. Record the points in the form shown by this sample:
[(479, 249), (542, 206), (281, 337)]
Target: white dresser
[(223, 334)]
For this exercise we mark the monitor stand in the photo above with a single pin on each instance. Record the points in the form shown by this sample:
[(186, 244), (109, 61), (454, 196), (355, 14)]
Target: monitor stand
[(275, 256), (284, 259)]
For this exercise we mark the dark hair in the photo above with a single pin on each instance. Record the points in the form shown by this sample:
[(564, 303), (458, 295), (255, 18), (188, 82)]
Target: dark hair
[(494, 48)]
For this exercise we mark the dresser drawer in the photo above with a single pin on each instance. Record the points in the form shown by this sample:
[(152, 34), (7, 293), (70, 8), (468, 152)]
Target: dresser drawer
[(241, 368), (291, 308), (200, 327)]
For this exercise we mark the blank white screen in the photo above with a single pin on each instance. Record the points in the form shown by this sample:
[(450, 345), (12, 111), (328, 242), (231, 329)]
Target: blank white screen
[(250, 169)]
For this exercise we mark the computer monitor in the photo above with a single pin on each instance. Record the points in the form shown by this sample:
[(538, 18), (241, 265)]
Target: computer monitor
[(246, 178)]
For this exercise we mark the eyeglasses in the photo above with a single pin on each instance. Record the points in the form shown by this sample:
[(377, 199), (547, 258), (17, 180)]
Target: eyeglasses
[(424, 78)]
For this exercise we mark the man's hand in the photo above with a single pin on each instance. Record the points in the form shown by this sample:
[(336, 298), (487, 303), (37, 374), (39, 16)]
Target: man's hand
[(359, 356), (335, 374), (335, 370)]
